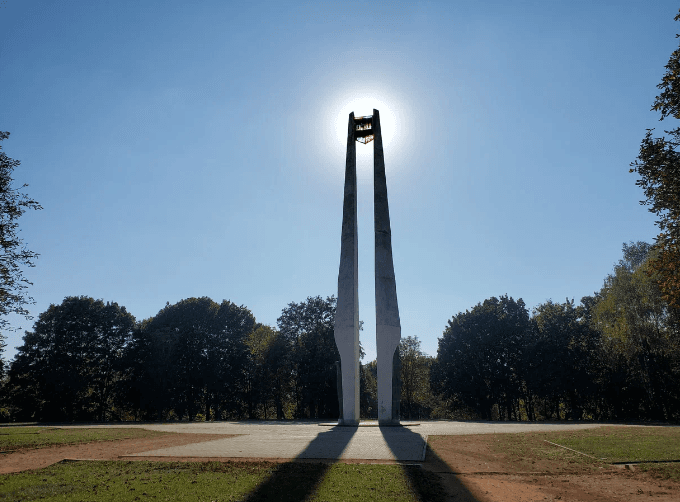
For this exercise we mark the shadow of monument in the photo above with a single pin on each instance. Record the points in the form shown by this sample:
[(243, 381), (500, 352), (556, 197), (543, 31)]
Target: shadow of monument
[(298, 479), (432, 480)]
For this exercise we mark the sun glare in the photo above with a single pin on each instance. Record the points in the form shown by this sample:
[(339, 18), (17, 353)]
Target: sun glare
[(361, 107), (394, 111)]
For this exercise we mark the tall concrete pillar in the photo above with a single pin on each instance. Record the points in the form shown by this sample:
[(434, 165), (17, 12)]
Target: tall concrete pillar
[(347, 309), (388, 326)]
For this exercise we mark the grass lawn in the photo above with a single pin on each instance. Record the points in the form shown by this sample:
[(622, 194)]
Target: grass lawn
[(625, 444), (15, 438), (215, 481), (293, 481), (607, 444)]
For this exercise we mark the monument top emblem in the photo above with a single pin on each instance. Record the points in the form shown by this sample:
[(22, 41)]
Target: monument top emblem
[(363, 129)]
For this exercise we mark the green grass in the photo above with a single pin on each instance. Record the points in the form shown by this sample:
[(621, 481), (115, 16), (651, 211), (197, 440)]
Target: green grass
[(16, 438), (624, 444), (607, 444), (215, 481)]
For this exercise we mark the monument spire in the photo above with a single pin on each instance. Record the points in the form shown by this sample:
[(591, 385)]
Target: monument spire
[(387, 323), (388, 327), (347, 309)]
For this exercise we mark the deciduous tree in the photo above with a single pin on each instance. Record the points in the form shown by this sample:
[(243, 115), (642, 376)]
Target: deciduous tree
[(415, 378), (193, 357), (368, 390), (558, 358), (268, 372), (308, 328), (13, 253), (658, 165), (479, 358), (68, 366), (633, 318)]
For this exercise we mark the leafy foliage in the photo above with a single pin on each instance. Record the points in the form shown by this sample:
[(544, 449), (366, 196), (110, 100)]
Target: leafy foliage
[(308, 328), (415, 379), (558, 360), (639, 341), (192, 358), (658, 165), (14, 255), (368, 390), (196, 360), (631, 306), (69, 365), (479, 356), (269, 370), (616, 356)]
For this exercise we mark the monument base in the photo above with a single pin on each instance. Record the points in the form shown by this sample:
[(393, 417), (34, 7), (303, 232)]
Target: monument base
[(348, 423), (372, 423)]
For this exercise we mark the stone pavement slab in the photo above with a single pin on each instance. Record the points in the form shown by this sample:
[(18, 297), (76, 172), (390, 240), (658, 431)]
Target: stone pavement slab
[(393, 443), (320, 440)]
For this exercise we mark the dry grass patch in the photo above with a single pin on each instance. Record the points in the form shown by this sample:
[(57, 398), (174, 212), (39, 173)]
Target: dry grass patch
[(18, 438)]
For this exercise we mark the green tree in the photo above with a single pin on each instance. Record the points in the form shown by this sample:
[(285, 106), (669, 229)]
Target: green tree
[(632, 316), (69, 365), (368, 390), (192, 358), (308, 328), (658, 165), (558, 361), (14, 255), (268, 372), (415, 378), (479, 358), (631, 304), (5, 404), (2, 361), (151, 359)]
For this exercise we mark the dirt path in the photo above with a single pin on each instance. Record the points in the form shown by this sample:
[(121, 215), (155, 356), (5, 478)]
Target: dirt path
[(23, 460)]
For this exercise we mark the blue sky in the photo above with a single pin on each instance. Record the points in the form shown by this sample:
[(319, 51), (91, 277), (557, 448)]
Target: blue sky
[(187, 149)]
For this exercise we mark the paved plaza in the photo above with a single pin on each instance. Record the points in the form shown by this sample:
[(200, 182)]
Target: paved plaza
[(317, 440)]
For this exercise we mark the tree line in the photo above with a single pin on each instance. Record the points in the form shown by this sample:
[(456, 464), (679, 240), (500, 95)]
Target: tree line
[(196, 359), (614, 356), (86, 360)]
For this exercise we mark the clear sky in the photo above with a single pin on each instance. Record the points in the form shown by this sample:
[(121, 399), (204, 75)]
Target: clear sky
[(187, 149)]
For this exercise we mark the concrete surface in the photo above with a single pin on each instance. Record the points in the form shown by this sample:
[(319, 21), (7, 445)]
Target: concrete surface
[(388, 326), (346, 331), (321, 441)]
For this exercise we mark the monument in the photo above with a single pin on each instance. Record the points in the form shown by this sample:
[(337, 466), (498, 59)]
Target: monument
[(388, 327)]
